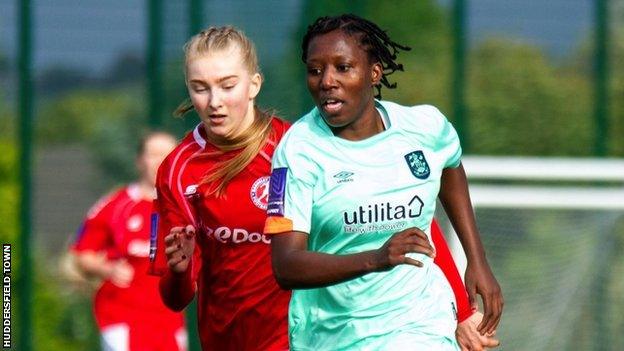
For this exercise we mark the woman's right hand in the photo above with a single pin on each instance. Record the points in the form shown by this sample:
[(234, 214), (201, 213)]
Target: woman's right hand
[(121, 273), (410, 240), (179, 248)]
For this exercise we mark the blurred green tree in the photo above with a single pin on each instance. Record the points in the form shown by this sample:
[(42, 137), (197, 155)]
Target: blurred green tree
[(520, 104)]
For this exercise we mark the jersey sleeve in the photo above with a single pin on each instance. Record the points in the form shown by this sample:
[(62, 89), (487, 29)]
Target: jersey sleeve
[(290, 191), (445, 138), (445, 261), (94, 233), (166, 215)]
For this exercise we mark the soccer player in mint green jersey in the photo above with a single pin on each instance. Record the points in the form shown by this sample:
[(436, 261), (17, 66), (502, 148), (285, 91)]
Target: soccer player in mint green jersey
[(352, 196)]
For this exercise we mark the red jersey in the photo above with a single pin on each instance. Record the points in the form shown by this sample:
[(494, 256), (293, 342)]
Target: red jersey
[(240, 305), (119, 224)]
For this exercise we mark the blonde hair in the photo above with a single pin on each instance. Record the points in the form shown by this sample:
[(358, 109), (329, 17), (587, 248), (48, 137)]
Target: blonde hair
[(250, 141)]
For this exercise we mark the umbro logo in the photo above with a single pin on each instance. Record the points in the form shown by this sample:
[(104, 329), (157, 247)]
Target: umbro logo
[(190, 190), (344, 176)]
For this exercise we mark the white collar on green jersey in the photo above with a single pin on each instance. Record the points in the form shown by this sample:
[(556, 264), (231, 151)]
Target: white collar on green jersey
[(385, 118)]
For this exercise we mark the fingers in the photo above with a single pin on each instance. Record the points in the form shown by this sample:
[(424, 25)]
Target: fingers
[(468, 338), (179, 246), (177, 259), (423, 249), (488, 315), (169, 250), (189, 231), (471, 289), (173, 235), (489, 341), (177, 233), (414, 240), (411, 261), (493, 307), (414, 232), (396, 248)]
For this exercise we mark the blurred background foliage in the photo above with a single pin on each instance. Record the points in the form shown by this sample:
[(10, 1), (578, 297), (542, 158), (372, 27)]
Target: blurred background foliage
[(522, 99)]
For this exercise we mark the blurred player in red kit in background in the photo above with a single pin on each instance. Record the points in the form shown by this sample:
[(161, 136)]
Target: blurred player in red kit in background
[(113, 245)]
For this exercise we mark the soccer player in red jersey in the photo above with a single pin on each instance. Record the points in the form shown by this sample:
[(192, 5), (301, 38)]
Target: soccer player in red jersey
[(212, 200), (216, 180), (113, 245)]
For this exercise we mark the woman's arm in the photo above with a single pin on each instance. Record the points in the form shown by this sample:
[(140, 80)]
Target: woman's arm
[(96, 264), (479, 278), (175, 259), (295, 267), (177, 286)]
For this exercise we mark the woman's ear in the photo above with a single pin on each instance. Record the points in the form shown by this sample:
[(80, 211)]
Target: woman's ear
[(255, 85), (376, 73)]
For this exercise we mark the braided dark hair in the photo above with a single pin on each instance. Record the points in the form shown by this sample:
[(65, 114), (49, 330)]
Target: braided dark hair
[(376, 42)]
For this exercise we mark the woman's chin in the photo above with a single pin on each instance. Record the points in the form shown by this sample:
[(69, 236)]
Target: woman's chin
[(219, 131), (335, 121)]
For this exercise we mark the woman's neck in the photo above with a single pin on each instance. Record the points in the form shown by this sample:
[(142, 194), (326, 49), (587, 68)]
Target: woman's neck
[(147, 189), (237, 137), (367, 125)]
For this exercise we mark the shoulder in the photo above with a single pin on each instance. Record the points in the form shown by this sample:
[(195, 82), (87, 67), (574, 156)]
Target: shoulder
[(190, 144), (108, 202), (304, 131), (302, 140), (279, 127), (418, 117)]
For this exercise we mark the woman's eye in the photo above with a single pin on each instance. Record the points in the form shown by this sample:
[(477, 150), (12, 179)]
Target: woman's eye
[(228, 87), (314, 71), (343, 68)]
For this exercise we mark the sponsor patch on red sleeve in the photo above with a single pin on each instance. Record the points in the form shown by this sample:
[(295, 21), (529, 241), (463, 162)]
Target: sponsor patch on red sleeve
[(277, 190), (153, 235)]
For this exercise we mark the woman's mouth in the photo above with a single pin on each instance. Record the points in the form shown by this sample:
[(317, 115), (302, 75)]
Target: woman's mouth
[(332, 106), (217, 118)]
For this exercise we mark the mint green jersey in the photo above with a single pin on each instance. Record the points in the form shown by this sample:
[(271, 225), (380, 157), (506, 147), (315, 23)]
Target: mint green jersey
[(351, 196)]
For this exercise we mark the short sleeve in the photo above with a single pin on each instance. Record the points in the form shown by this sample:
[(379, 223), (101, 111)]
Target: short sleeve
[(166, 215), (291, 192), (446, 141), (449, 145), (95, 233)]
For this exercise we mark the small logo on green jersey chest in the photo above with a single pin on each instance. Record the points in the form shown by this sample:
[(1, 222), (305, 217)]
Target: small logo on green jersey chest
[(418, 164), (344, 176)]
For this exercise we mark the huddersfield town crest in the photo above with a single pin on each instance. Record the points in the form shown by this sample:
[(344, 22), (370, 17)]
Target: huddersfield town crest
[(418, 164)]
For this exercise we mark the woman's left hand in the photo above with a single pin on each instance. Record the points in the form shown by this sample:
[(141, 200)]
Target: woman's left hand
[(481, 281), (469, 339)]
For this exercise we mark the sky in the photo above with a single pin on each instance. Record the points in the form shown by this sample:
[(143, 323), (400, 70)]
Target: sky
[(90, 34)]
